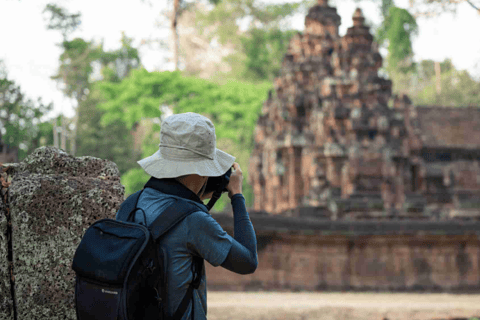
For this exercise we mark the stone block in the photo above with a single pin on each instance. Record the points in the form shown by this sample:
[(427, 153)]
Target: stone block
[(6, 301), (54, 198)]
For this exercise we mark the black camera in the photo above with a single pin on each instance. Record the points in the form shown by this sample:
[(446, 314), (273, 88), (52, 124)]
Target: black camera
[(218, 185)]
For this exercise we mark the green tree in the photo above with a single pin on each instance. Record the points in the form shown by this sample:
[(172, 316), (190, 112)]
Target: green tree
[(264, 51), (396, 33), (76, 67), (457, 87), (385, 6), (233, 107), (77, 61), (426, 68), (180, 6), (20, 118), (228, 13), (117, 64), (431, 8), (113, 141), (61, 20), (258, 50)]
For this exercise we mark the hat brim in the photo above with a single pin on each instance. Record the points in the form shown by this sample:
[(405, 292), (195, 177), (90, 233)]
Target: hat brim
[(160, 168)]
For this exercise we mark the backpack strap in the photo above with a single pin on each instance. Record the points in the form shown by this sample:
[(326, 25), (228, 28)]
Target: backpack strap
[(128, 206), (175, 213), (197, 269)]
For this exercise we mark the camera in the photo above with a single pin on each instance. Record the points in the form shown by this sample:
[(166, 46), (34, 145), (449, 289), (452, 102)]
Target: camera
[(218, 185)]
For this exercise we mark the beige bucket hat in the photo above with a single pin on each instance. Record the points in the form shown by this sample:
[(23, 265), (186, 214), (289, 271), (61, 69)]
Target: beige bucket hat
[(187, 146)]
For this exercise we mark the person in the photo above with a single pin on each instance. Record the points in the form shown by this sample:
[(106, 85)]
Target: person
[(187, 156)]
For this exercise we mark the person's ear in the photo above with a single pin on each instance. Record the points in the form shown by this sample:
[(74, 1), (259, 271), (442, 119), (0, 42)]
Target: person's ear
[(202, 189), (207, 196)]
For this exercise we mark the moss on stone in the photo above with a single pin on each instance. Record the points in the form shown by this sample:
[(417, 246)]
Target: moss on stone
[(54, 199), (50, 160), (6, 303)]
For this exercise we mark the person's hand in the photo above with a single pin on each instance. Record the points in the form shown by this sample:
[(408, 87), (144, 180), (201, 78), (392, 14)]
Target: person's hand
[(236, 179)]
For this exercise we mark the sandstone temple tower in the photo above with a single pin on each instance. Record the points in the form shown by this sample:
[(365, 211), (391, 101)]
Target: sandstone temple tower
[(333, 137)]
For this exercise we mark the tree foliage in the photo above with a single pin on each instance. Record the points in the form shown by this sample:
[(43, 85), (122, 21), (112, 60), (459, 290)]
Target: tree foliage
[(457, 87), (180, 6), (235, 105), (260, 48), (20, 118), (228, 14), (79, 57), (117, 64), (431, 8), (61, 19), (264, 51), (419, 81), (78, 61), (113, 141), (385, 6), (82, 63), (76, 67), (396, 32), (233, 108)]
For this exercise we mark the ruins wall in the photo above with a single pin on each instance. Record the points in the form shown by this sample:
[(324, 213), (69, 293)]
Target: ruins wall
[(6, 303), (53, 198), (302, 262)]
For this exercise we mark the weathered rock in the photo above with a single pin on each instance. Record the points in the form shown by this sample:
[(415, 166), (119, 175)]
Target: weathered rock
[(380, 263), (47, 160), (54, 197), (305, 254), (6, 302)]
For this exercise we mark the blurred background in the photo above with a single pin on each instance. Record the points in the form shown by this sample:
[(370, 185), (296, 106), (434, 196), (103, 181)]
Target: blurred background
[(96, 78)]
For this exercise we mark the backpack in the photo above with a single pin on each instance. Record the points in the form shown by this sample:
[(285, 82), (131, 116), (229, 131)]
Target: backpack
[(119, 268)]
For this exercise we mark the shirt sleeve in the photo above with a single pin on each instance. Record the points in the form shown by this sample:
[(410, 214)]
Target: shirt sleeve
[(207, 239), (242, 257)]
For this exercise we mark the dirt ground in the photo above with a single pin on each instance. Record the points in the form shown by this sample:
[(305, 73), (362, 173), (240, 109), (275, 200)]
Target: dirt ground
[(341, 306)]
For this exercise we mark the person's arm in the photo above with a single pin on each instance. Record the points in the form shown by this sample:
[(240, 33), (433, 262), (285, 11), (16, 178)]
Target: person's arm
[(242, 257)]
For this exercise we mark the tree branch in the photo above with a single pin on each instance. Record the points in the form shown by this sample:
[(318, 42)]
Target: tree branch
[(473, 6)]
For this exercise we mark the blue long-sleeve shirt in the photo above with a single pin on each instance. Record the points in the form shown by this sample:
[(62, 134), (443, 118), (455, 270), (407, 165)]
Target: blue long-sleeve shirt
[(199, 234), (242, 257)]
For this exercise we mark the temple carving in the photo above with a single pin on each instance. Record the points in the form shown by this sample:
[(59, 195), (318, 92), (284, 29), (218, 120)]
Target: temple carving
[(333, 137)]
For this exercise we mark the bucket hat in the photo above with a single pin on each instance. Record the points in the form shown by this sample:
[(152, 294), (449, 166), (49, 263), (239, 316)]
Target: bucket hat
[(187, 146)]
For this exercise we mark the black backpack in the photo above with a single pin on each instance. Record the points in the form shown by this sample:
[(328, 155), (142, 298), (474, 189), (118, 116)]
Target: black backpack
[(119, 270)]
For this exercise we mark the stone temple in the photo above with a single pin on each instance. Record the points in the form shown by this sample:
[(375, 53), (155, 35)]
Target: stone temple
[(333, 138)]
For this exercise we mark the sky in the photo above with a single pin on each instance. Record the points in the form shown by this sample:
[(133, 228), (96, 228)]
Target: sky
[(30, 51)]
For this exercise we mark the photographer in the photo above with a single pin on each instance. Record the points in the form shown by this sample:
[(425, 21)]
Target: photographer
[(180, 169)]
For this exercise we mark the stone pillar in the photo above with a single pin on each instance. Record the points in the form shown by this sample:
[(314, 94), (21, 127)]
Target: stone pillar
[(53, 199), (291, 178), (63, 137), (55, 136), (299, 182), (6, 301)]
